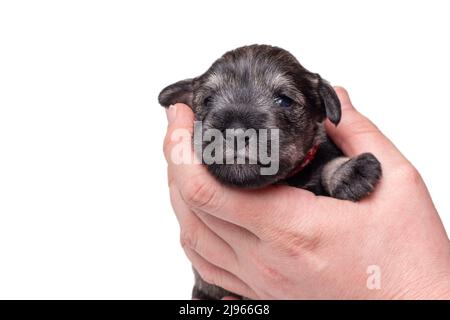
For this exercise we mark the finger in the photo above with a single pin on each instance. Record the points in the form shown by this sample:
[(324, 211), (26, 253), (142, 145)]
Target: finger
[(219, 277), (179, 131), (198, 237), (260, 211), (238, 238), (197, 187), (257, 211), (355, 134)]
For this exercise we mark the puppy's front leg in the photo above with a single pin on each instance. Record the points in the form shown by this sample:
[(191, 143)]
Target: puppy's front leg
[(351, 178)]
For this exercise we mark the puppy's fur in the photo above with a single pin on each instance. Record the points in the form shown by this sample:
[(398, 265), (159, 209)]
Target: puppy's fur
[(242, 89)]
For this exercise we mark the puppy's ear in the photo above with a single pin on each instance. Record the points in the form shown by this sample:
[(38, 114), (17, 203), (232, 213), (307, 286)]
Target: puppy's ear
[(178, 92), (330, 101)]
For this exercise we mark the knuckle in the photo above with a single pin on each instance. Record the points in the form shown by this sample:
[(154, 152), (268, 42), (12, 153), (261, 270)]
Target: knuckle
[(208, 274), (282, 200), (295, 244), (200, 192), (408, 174), (170, 180), (267, 271), (295, 237), (188, 237), (301, 243), (271, 274), (167, 144), (362, 126)]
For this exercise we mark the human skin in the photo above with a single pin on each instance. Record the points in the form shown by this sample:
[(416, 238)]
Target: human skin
[(282, 242)]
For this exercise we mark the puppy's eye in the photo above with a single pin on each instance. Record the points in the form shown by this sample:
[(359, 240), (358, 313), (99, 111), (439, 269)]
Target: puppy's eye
[(207, 102), (283, 101)]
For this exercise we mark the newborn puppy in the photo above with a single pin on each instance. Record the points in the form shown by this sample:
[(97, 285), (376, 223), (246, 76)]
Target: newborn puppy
[(260, 87)]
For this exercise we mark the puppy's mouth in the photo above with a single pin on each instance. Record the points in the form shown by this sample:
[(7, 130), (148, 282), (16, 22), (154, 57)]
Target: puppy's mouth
[(246, 166), (243, 155), (241, 175)]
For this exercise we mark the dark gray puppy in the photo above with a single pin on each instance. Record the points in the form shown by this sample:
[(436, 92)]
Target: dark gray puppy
[(265, 87)]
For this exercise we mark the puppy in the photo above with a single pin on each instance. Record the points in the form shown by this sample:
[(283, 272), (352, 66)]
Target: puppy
[(262, 87)]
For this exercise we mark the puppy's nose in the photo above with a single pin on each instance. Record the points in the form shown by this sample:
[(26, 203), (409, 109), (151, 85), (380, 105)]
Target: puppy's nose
[(232, 125), (239, 133)]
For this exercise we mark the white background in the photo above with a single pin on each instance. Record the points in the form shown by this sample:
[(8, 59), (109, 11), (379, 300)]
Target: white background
[(84, 207)]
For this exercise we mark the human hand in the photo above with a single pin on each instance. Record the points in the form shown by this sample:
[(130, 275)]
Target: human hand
[(286, 243)]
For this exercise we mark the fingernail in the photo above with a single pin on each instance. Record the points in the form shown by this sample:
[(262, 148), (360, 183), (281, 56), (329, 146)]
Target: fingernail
[(171, 113)]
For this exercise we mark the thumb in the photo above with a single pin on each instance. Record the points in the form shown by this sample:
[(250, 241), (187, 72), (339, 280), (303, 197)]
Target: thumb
[(185, 171), (178, 144), (181, 120), (356, 134)]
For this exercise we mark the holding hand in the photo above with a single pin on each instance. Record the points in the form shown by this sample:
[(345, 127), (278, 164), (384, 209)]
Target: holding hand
[(286, 243)]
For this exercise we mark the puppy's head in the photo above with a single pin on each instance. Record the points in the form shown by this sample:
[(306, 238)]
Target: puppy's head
[(252, 88)]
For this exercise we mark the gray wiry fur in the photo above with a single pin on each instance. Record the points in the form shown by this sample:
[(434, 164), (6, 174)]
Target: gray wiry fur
[(238, 91)]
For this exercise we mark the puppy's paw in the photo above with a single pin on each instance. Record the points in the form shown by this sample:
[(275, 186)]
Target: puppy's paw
[(356, 178)]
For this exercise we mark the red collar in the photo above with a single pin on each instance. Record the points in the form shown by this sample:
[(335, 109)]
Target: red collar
[(308, 158)]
